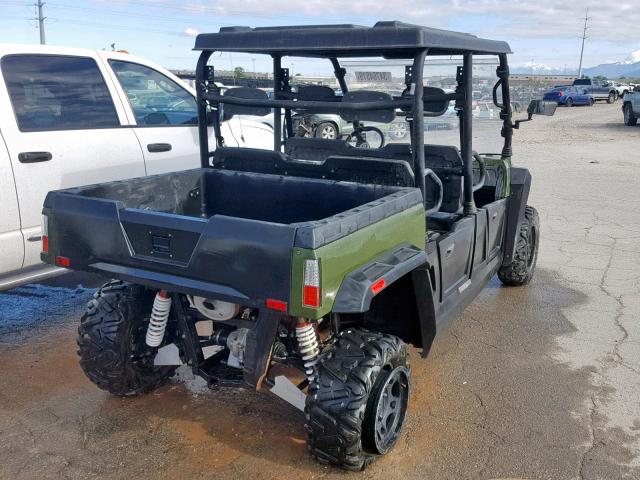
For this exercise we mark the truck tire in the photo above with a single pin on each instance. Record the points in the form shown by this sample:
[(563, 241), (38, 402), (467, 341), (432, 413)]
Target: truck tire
[(111, 341), (629, 117), (357, 403), (520, 270), (569, 102), (612, 97)]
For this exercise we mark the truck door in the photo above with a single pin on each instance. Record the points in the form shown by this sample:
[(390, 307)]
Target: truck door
[(11, 241), (165, 117), (62, 129)]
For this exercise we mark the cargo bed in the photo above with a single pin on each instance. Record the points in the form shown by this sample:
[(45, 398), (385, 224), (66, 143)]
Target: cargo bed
[(155, 231)]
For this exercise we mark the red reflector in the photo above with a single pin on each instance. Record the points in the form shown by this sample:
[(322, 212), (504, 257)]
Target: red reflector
[(378, 286), (311, 296), (278, 305), (45, 244), (63, 262)]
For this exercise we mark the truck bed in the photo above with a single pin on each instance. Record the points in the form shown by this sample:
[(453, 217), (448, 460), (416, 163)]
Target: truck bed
[(152, 230)]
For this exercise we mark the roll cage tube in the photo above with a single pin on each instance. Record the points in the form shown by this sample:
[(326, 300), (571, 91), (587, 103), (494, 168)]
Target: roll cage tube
[(466, 136), (417, 131)]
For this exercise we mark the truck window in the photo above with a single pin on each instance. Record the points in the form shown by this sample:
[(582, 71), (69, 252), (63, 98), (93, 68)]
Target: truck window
[(154, 98), (54, 92)]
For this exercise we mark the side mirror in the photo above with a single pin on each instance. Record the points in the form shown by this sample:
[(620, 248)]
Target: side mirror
[(540, 107), (537, 107)]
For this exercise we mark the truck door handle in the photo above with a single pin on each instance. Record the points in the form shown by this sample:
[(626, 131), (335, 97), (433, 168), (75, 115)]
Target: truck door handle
[(450, 249), (34, 157), (159, 147)]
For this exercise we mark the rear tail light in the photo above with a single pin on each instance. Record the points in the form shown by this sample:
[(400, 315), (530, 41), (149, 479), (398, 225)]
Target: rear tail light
[(45, 234), (311, 286)]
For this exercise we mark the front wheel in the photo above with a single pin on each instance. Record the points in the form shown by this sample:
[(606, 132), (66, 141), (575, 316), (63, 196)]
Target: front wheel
[(520, 270), (611, 98), (111, 341), (327, 130), (569, 102), (629, 117), (591, 102), (357, 404)]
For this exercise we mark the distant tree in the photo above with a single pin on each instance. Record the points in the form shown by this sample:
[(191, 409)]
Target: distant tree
[(239, 72), (600, 77)]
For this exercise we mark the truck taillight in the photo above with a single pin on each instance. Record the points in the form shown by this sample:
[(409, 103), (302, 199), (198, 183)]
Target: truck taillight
[(45, 234), (311, 285)]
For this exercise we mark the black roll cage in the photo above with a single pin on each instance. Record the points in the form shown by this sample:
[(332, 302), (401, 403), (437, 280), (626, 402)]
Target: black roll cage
[(210, 100)]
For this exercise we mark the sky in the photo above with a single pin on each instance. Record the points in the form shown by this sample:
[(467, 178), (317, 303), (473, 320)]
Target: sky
[(542, 33)]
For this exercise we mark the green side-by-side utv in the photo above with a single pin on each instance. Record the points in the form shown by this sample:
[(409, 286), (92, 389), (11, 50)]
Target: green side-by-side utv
[(307, 269)]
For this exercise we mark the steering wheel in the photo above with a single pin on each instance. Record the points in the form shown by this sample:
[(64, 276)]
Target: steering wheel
[(483, 172), (360, 141)]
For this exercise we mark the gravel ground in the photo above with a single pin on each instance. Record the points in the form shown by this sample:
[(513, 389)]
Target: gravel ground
[(529, 383)]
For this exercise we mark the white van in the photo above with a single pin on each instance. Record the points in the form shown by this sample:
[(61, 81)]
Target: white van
[(72, 117)]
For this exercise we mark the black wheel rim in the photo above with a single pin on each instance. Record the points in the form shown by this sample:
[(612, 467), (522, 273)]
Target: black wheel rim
[(390, 409), (533, 240)]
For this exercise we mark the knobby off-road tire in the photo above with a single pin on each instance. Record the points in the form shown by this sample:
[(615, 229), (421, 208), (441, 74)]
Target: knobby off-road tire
[(521, 269), (111, 341), (629, 118), (364, 376)]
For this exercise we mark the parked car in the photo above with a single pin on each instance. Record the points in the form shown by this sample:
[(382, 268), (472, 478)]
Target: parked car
[(631, 107), (601, 90), (73, 117), (569, 96)]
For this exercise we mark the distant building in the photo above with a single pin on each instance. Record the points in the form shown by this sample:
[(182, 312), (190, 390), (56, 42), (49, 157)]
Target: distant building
[(551, 79)]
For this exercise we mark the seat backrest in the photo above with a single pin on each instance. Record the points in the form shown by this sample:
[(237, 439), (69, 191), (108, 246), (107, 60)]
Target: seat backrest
[(444, 160), (348, 168)]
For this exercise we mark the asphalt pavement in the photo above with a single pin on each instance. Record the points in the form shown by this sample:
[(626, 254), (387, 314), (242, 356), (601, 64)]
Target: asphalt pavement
[(537, 382)]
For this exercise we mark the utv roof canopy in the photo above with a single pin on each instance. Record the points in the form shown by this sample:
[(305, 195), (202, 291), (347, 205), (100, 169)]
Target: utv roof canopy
[(389, 39)]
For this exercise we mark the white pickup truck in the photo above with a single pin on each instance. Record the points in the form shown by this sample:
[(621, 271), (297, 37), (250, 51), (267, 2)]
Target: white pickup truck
[(72, 117), (631, 107)]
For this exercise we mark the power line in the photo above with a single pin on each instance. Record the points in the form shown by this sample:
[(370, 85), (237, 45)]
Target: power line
[(584, 36)]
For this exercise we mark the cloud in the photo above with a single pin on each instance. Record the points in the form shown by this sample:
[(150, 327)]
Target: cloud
[(634, 57), (190, 32)]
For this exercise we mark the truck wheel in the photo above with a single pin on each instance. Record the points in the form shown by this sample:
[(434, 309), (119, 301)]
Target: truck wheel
[(111, 341), (520, 271), (611, 98), (569, 102), (327, 130), (357, 404), (629, 118)]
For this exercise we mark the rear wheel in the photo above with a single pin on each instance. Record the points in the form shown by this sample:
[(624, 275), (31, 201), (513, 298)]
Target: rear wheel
[(629, 117), (357, 404), (327, 130), (111, 341), (521, 269)]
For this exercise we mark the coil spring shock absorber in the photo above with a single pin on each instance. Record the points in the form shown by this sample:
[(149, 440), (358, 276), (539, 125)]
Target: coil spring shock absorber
[(159, 317), (308, 346)]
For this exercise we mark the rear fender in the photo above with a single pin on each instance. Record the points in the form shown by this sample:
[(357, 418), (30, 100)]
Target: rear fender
[(360, 286)]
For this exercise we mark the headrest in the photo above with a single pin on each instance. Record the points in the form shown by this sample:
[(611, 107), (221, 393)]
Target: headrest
[(229, 110), (315, 92), (363, 96)]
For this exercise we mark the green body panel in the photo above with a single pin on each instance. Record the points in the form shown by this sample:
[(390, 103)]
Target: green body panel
[(339, 258)]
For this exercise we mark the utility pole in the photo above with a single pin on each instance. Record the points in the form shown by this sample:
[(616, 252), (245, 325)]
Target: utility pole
[(584, 36), (41, 19)]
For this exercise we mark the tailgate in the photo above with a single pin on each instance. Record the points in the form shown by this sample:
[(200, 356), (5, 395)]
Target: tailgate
[(239, 260)]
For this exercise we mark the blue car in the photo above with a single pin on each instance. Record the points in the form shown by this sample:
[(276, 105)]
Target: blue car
[(569, 96)]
